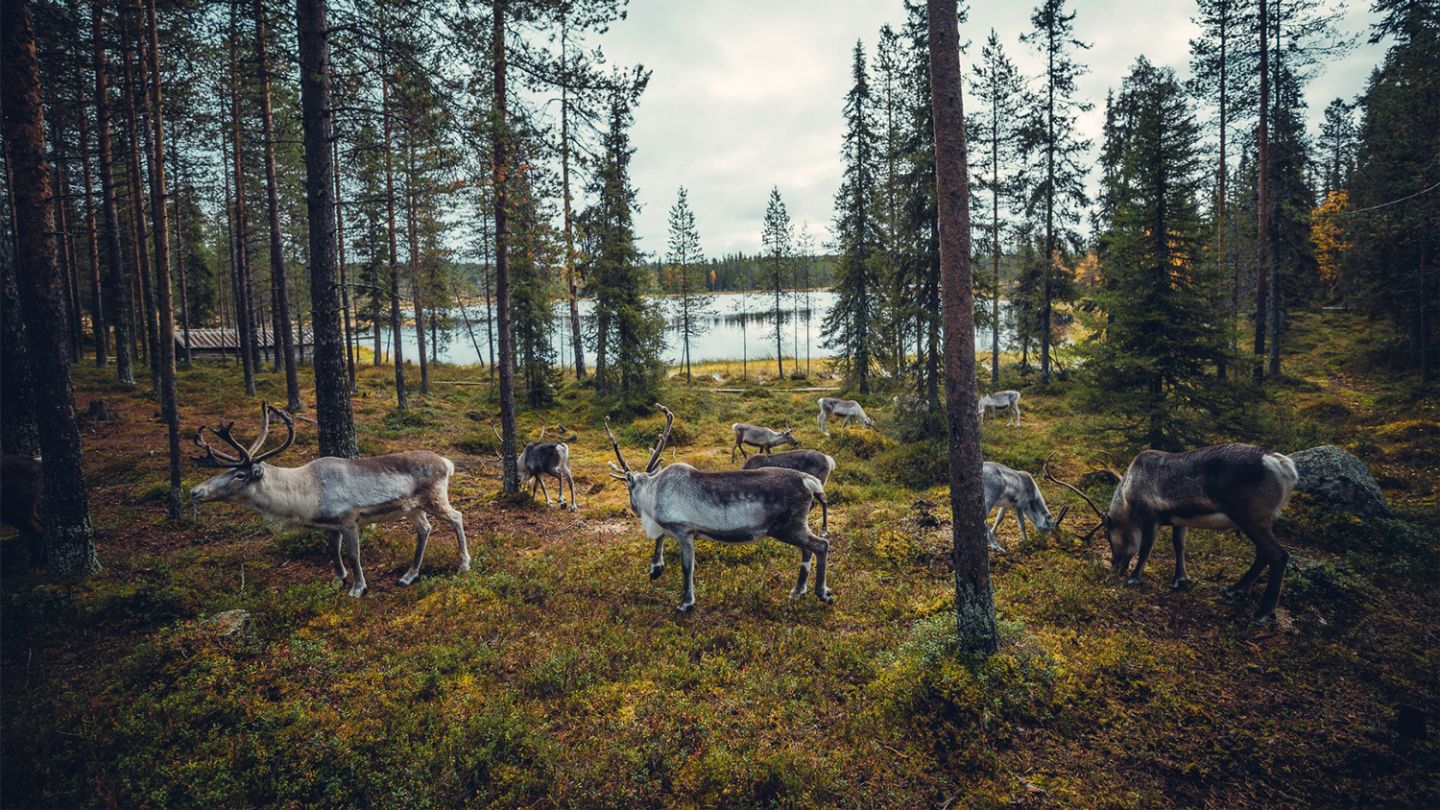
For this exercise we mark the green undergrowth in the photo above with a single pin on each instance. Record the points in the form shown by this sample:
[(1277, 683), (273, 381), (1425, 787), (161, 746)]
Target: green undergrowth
[(556, 672)]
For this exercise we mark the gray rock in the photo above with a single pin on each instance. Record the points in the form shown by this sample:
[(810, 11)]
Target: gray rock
[(1339, 480), (234, 626)]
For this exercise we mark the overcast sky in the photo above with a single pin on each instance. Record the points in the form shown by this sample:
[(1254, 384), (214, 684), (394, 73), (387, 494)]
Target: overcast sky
[(747, 94)]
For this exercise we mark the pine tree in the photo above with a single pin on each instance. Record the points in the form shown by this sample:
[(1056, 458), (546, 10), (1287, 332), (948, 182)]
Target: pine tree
[(1049, 132), (849, 326), (919, 231), (1158, 341), (532, 254), (1000, 87), (776, 238), (1336, 145), (691, 307)]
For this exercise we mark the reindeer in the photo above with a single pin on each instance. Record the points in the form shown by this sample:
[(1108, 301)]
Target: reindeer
[(1227, 486), (541, 458), (334, 495), (762, 438), (733, 506), (1015, 489), (848, 409), (1000, 399), (813, 462)]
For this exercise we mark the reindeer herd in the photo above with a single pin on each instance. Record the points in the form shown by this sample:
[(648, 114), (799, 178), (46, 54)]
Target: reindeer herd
[(1230, 486)]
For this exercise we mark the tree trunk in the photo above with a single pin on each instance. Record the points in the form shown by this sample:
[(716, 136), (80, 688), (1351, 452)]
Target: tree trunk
[(974, 603), (320, 14), (1276, 292), (1049, 206), (244, 300), (119, 293), (180, 261), (995, 240), (332, 383), (97, 312), (65, 252), (65, 506), (160, 231), (416, 288), (1262, 237), (575, 336), (402, 402), (18, 432), (285, 337), (134, 82), (499, 163)]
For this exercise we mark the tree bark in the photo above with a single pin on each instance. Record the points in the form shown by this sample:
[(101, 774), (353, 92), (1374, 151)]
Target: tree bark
[(402, 402), (1262, 236), (18, 432), (332, 382), (244, 305), (180, 262), (285, 337), (974, 603), (134, 79), (119, 293), (339, 213), (510, 475), (160, 231), (97, 312), (65, 506), (416, 287), (576, 339)]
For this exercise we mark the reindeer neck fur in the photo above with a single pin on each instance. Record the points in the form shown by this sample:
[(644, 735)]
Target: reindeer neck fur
[(285, 496)]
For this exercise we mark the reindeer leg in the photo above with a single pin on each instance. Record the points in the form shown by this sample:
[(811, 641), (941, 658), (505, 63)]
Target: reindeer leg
[(422, 538), (1268, 553), (820, 423), (560, 489), (334, 537), (574, 501), (800, 580), (657, 562), (540, 479), (1147, 542), (687, 566), (352, 547), (1181, 582), (821, 547), (995, 544)]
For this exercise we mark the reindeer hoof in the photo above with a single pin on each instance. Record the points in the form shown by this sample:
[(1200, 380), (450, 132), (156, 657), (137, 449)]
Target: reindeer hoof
[(685, 608), (1231, 594), (796, 593), (826, 596), (656, 571), (1182, 584), (359, 590), (1134, 580), (464, 565), (1266, 619), (409, 577), (574, 508)]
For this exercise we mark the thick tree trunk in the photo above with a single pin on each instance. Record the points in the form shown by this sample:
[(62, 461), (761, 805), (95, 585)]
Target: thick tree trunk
[(332, 382), (1262, 237), (65, 506), (119, 292), (160, 222), (65, 252), (974, 603), (285, 336), (995, 241), (499, 162), (18, 433), (402, 402)]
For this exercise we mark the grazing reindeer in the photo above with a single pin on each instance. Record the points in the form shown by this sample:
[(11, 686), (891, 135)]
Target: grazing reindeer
[(813, 462), (548, 458), (734, 506), (848, 409), (1014, 489), (762, 438), (1000, 399), (334, 495), (1227, 486)]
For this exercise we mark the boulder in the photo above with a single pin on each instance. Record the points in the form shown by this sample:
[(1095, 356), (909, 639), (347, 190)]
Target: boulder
[(1339, 480), (232, 626)]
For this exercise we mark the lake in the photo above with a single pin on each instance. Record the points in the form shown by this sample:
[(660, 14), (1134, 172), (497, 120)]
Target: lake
[(740, 325)]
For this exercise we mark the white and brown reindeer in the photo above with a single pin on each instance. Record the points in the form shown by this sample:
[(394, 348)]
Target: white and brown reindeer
[(541, 458), (334, 495), (732, 506), (1015, 489), (813, 462), (1009, 400), (1226, 486), (762, 438), (847, 410)]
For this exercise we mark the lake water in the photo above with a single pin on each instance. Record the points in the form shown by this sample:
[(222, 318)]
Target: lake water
[(740, 325)]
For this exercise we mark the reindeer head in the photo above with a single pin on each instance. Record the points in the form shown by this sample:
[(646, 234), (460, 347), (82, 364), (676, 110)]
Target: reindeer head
[(1120, 532), (637, 481), (787, 436), (244, 469)]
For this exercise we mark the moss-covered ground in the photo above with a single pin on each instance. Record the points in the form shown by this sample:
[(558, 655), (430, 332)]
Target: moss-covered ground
[(556, 672)]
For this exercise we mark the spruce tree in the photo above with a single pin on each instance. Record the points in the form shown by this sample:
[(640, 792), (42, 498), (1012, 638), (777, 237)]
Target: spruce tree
[(1057, 177), (849, 326), (1152, 360), (691, 307), (1335, 149), (776, 238)]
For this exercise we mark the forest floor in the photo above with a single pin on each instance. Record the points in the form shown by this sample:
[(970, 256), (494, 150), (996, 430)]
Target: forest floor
[(556, 672)]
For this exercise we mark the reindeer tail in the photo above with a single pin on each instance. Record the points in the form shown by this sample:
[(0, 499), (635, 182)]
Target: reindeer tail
[(817, 491)]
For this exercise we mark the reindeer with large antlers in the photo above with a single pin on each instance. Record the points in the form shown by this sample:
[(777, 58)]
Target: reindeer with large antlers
[(1227, 486), (334, 495), (734, 506)]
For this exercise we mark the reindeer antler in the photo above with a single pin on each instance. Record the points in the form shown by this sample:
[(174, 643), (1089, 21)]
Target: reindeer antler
[(244, 456), (265, 433), (1104, 518), (214, 458), (623, 468), (655, 454)]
